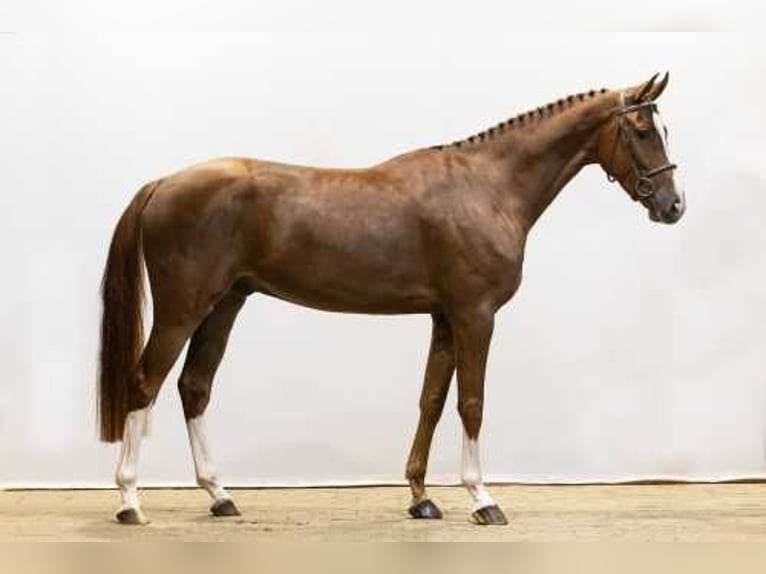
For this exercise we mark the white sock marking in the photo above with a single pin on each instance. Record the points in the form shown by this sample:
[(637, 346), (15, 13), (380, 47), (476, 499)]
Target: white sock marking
[(471, 474), (203, 460), (127, 467)]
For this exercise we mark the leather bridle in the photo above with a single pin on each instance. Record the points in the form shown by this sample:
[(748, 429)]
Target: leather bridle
[(644, 187)]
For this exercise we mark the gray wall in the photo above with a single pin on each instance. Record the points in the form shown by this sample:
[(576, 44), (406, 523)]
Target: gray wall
[(631, 351)]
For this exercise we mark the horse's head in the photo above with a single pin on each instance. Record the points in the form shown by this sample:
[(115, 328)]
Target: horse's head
[(632, 149)]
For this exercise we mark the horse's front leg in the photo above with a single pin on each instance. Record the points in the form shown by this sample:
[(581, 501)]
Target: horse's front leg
[(473, 332), (439, 371)]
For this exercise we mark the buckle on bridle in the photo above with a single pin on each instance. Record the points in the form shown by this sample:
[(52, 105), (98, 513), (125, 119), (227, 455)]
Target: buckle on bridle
[(644, 188)]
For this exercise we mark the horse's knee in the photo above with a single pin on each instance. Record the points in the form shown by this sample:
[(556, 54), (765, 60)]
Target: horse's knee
[(431, 406), (470, 411), (195, 394)]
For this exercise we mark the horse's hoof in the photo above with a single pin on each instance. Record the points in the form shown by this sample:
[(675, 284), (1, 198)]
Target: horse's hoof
[(133, 516), (224, 507), (425, 509), (489, 516)]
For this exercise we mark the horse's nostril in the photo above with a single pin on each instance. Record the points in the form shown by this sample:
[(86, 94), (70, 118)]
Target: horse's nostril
[(677, 206)]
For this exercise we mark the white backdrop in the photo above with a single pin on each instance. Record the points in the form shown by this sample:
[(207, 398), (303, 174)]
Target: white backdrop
[(631, 351)]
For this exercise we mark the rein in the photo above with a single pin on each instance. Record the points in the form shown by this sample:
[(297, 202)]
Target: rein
[(644, 187)]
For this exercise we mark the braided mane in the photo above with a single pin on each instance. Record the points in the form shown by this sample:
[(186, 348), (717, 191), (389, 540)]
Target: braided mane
[(525, 118)]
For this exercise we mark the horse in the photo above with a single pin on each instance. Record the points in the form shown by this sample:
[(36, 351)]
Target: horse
[(439, 231)]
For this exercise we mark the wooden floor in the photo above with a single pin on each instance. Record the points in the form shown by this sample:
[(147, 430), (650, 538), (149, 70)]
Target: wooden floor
[(731, 512)]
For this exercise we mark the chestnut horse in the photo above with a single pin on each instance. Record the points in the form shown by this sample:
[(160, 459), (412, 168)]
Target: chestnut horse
[(439, 231)]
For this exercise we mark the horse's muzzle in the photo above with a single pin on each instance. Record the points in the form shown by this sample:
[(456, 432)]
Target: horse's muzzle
[(672, 213)]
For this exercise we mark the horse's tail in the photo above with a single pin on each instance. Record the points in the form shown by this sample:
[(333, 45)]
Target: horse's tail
[(122, 293)]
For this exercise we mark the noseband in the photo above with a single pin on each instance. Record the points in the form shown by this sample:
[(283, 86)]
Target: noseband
[(644, 187)]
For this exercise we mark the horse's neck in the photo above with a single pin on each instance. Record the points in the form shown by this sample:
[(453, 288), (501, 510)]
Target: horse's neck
[(542, 159)]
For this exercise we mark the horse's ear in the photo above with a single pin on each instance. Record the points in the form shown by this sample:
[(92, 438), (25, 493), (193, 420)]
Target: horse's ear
[(659, 87), (641, 91)]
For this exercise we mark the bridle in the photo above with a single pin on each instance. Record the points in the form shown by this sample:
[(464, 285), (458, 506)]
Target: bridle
[(644, 187)]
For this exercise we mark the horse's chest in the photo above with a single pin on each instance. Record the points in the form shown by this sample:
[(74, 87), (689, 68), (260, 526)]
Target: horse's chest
[(488, 262)]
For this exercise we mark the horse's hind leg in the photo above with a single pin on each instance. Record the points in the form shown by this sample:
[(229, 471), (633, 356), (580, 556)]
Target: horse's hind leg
[(165, 342), (439, 371), (206, 349)]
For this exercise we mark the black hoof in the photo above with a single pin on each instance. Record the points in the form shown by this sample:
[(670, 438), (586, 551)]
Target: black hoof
[(425, 509), (132, 516), (489, 516), (224, 507)]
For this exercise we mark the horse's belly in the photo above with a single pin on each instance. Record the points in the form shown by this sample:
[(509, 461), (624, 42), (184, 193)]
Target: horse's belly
[(361, 303), (320, 287)]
